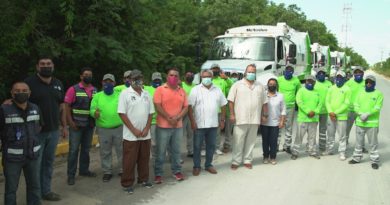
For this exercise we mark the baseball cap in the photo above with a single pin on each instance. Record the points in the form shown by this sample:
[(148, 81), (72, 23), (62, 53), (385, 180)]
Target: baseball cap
[(109, 76), (340, 72), (310, 77), (127, 74), (214, 66), (371, 77), (156, 75), (135, 73), (358, 68), (321, 69)]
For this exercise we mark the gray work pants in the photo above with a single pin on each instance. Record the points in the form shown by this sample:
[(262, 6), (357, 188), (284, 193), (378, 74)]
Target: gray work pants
[(288, 129), (309, 128), (322, 127), (372, 135), (110, 138), (339, 126)]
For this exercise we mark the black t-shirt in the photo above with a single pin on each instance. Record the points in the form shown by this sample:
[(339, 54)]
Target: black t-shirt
[(48, 97)]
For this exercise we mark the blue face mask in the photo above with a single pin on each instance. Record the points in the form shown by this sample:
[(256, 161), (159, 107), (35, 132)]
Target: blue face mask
[(206, 81), (251, 76), (309, 86), (127, 83), (339, 82), (358, 77), (321, 77), (288, 74), (108, 88), (156, 84), (371, 88)]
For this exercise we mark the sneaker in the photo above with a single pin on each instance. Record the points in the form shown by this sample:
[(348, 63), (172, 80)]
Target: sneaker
[(128, 190), (88, 174), (51, 196), (218, 152), (158, 180), (71, 181), (179, 176), (273, 161), (107, 177), (342, 157), (265, 161), (375, 165), (325, 153), (146, 184), (352, 161), (203, 153), (315, 156), (294, 157)]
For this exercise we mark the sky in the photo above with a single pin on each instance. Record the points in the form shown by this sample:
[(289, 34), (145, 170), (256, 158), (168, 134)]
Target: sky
[(369, 22)]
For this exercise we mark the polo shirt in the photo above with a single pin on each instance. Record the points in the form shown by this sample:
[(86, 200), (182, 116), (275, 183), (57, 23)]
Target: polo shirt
[(276, 108), (108, 108), (70, 96), (289, 89), (205, 103), (172, 101), (137, 109), (48, 97), (248, 101)]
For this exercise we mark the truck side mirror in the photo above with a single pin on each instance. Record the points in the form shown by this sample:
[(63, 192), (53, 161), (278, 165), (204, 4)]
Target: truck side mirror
[(292, 50)]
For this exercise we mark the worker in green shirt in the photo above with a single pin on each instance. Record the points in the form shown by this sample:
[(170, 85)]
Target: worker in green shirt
[(223, 82), (156, 82), (356, 84), (227, 145), (126, 82), (289, 86), (104, 107), (367, 107), (187, 85), (337, 103), (322, 86), (309, 107)]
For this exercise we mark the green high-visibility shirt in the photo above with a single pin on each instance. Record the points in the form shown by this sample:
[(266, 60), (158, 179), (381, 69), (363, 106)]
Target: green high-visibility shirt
[(108, 108), (370, 103), (322, 89), (221, 83), (151, 91), (307, 101), (355, 90), (120, 88), (289, 89), (338, 101), (187, 88)]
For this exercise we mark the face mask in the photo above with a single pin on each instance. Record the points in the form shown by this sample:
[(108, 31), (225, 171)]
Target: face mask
[(108, 88), (371, 88), (339, 82), (309, 86), (251, 76), (138, 83), (189, 79), (288, 75), (21, 97), (234, 79), (46, 72), (156, 84), (127, 83), (358, 78), (321, 77), (87, 80), (172, 80), (215, 73), (206, 81), (272, 88)]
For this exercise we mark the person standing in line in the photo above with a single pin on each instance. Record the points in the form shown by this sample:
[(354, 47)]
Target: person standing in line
[(337, 103), (151, 89), (309, 106), (109, 127), (368, 105), (126, 82), (322, 86), (48, 93), (248, 105), (81, 126), (289, 86), (227, 143), (276, 116), (171, 104), (20, 124), (136, 109), (204, 102), (188, 85)]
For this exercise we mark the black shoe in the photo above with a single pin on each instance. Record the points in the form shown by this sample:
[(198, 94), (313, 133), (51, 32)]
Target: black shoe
[(71, 181), (107, 177), (294, 157), (375, 165), (51, 196), (88, 174), (352, 161), (190, 155)]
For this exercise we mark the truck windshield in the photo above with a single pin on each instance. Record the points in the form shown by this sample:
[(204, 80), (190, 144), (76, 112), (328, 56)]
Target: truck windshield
[(251, 48)]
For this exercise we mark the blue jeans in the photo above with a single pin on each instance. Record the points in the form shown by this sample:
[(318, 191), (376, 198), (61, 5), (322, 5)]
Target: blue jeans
[(168, 137), (79, 138), (47, 155), (12, 171), (208, 135), (269, 135)]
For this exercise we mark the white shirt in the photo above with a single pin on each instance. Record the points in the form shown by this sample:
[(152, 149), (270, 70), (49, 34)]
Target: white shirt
[(205, 104), (276, 108), (137, 108), (248, 101)]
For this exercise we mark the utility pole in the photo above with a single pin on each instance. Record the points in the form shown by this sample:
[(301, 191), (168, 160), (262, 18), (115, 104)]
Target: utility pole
[(346, 27)]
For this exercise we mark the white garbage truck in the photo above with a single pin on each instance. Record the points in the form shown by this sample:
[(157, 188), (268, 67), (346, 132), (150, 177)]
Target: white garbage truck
[(320, 58), (270, 48)]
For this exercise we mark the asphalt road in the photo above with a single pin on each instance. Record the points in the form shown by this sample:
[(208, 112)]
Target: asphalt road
[(303, 181)]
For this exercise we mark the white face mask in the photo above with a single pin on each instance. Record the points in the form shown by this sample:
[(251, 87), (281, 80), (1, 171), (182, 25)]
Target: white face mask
[(206, 81)]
